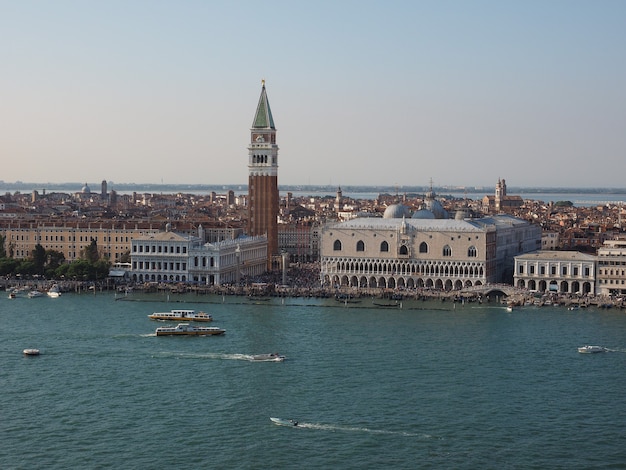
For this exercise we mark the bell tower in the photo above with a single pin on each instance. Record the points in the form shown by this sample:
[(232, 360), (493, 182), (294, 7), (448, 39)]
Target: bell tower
[(263, 177)]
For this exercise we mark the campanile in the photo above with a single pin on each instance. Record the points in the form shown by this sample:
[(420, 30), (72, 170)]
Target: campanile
[(263, 177)]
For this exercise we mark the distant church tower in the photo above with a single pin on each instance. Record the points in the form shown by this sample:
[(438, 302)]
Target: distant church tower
[(263, 177), (500, 194)]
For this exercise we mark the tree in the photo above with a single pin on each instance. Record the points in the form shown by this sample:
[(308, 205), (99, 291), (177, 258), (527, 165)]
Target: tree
[(3, 251), (39, 258), (125, 258), (90, 253), (8, 266)]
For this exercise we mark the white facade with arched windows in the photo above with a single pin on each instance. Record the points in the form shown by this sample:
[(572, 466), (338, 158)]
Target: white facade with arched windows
[(565, 272), (413, 253), (172, 257)]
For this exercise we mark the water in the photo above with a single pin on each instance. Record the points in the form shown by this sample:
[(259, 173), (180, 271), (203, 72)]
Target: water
[(428, 386)]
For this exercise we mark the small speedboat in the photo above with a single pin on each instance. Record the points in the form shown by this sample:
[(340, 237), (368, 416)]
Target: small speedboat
[(31, 352), (591, 349), (185, 329), (272, 357), (284, 422), (35, 293)]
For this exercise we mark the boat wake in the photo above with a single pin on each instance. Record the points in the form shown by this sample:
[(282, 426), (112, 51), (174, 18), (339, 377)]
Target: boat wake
[(218, 356), (333, 427)]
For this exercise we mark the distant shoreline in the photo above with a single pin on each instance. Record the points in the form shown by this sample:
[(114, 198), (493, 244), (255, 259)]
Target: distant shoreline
[(313, 189)]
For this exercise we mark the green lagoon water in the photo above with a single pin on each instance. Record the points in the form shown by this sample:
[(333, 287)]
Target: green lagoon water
[(431, 385)]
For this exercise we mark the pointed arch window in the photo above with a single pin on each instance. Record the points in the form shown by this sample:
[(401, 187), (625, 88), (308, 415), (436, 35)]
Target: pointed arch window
[(384, 246), (447, 251), (337, 245), (360, 246), (471, 252), (423, 247), (403, 250)]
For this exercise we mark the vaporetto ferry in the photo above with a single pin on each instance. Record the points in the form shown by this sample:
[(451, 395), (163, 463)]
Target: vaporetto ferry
[(181, 315)]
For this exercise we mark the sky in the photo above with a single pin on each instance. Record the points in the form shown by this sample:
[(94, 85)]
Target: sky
[(402, 93)]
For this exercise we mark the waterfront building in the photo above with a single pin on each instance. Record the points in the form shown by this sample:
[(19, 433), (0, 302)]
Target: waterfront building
[(448, 254), (611, 275), (564, 272), (70, 237), (263, 196), (174, 257)]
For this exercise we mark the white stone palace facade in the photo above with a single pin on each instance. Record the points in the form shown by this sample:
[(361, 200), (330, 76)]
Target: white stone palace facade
[(612, 267), (556, 271), (173, 257), (422, 253)]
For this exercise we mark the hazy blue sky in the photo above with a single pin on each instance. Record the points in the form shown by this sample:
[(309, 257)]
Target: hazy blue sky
[(362, 92)]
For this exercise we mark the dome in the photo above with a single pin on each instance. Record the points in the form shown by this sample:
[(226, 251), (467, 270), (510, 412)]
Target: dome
[(423, 214), (436, 208), (396, 211), (86, 189)]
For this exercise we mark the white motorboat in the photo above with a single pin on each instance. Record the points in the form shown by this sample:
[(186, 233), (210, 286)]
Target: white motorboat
[(31, 352), (54, 292), (181, 315), (185, 329), (35, 293), (271, 357), (591, 349), (284, 422)]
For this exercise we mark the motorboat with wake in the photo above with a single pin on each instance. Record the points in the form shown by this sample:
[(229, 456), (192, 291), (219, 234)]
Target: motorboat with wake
[(587, 349), (284, 422), (185, 329), (271, 357), (181, 315)]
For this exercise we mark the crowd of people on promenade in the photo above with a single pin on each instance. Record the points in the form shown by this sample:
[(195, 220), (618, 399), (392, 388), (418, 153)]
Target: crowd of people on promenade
[(302, 280)]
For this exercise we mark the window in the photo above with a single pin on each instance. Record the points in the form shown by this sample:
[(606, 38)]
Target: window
[(543, 270), (360, 246), (521, 269), (384, 246), (575, 270), (553, 270), (471, 252), (447, 251), (423, 247), (564, 270), (532, 269), (403, 250), (337, 245)]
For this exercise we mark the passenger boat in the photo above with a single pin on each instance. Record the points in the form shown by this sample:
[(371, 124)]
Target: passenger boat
[(181, 315), (31, 352), (185, 329), (284, 422), (271, 357), (591, 349)]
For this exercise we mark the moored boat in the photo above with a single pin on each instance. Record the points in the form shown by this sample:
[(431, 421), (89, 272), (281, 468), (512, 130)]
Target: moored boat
[(54, 292), (591, 349), (185, 329), (181, 315), (35, 293)]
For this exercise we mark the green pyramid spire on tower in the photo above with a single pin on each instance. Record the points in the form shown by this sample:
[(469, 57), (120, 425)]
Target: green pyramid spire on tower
[(263, 118)]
